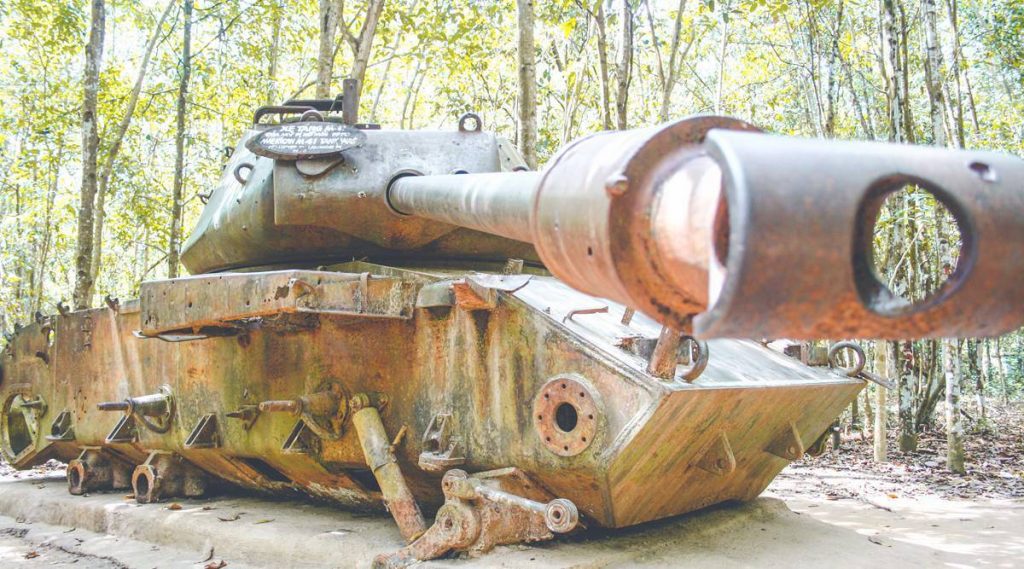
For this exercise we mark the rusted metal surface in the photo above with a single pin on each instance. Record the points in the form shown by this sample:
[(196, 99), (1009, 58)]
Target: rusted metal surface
[(486, 368), (380, 457), (693, 221), (95, 470), (479, 515), (166, 475), (288, 212), (665, 357), (830, 290), (566, 415), (586, 398), (233, 300)]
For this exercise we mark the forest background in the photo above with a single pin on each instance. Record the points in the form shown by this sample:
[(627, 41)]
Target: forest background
[(115, 117)]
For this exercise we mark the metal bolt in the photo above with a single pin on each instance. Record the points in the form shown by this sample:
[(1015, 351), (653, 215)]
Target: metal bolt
[(616, 185), (33, 404), (287, 406), (114, 406)]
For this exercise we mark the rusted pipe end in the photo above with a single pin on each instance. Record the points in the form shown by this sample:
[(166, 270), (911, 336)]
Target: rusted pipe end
[(561, 515), (125, 405), (456, 484), (459, 524), (632, 216), (78, 476), (145, 484)]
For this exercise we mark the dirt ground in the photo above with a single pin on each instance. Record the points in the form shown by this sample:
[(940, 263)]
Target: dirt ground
[(839, 510)]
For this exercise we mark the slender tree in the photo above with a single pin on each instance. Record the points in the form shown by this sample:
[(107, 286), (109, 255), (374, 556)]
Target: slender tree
[(624, 73), (933, 71), (723, 45), (883, 365), (891, 70), (174, 243), (90, 149), (954, 425), (669, 77), (115, 145), (602, 60), (527, 83), (362, 43), (330, 11), (834, 58), (275, 51)]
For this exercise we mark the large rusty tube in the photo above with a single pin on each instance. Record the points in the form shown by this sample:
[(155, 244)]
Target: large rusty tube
[(716, 229), (381, 460)]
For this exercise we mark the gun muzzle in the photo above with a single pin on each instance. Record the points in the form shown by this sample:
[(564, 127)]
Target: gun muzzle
[(712, 227)]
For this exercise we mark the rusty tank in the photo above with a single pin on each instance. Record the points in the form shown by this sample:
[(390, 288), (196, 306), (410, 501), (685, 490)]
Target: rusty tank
[(415, 321)]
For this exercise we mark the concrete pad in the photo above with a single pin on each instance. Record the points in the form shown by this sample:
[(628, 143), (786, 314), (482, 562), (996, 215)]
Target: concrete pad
[(260, 532)]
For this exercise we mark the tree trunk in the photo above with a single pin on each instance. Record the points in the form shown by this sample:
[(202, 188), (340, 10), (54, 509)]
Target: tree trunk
[(891, 70), (833, 83), (720, 90), (812, 92), (884, 364), (602, 62), (979, 380), (45, 248), (667, 77), (904, 42), (908, 432), (855, 424), (933, 73), (174, 245), (673, 62), (656, 48), (408, 92), (954, 424), (325, 59), (90, 148), (951, 10), (1002, 377), (115, 145), (527, 84), (364, 45), (275, 48), (869, 412), (625, 68)]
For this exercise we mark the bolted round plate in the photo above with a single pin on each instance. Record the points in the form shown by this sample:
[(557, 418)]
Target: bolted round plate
[(306, 140), (565, 415)]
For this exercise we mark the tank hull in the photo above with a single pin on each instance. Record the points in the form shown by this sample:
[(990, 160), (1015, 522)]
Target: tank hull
[(480, 372)]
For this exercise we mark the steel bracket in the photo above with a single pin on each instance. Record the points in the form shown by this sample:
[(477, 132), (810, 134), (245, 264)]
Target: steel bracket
[(479, 515)]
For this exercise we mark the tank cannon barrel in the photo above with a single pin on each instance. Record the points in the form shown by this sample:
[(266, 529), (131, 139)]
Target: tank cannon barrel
[(712, 227), (496, 203)]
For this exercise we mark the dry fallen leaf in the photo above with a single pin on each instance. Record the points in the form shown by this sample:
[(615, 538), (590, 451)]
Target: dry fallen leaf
[(216, 564), (31, 555), (175, 506), (877, 541)]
